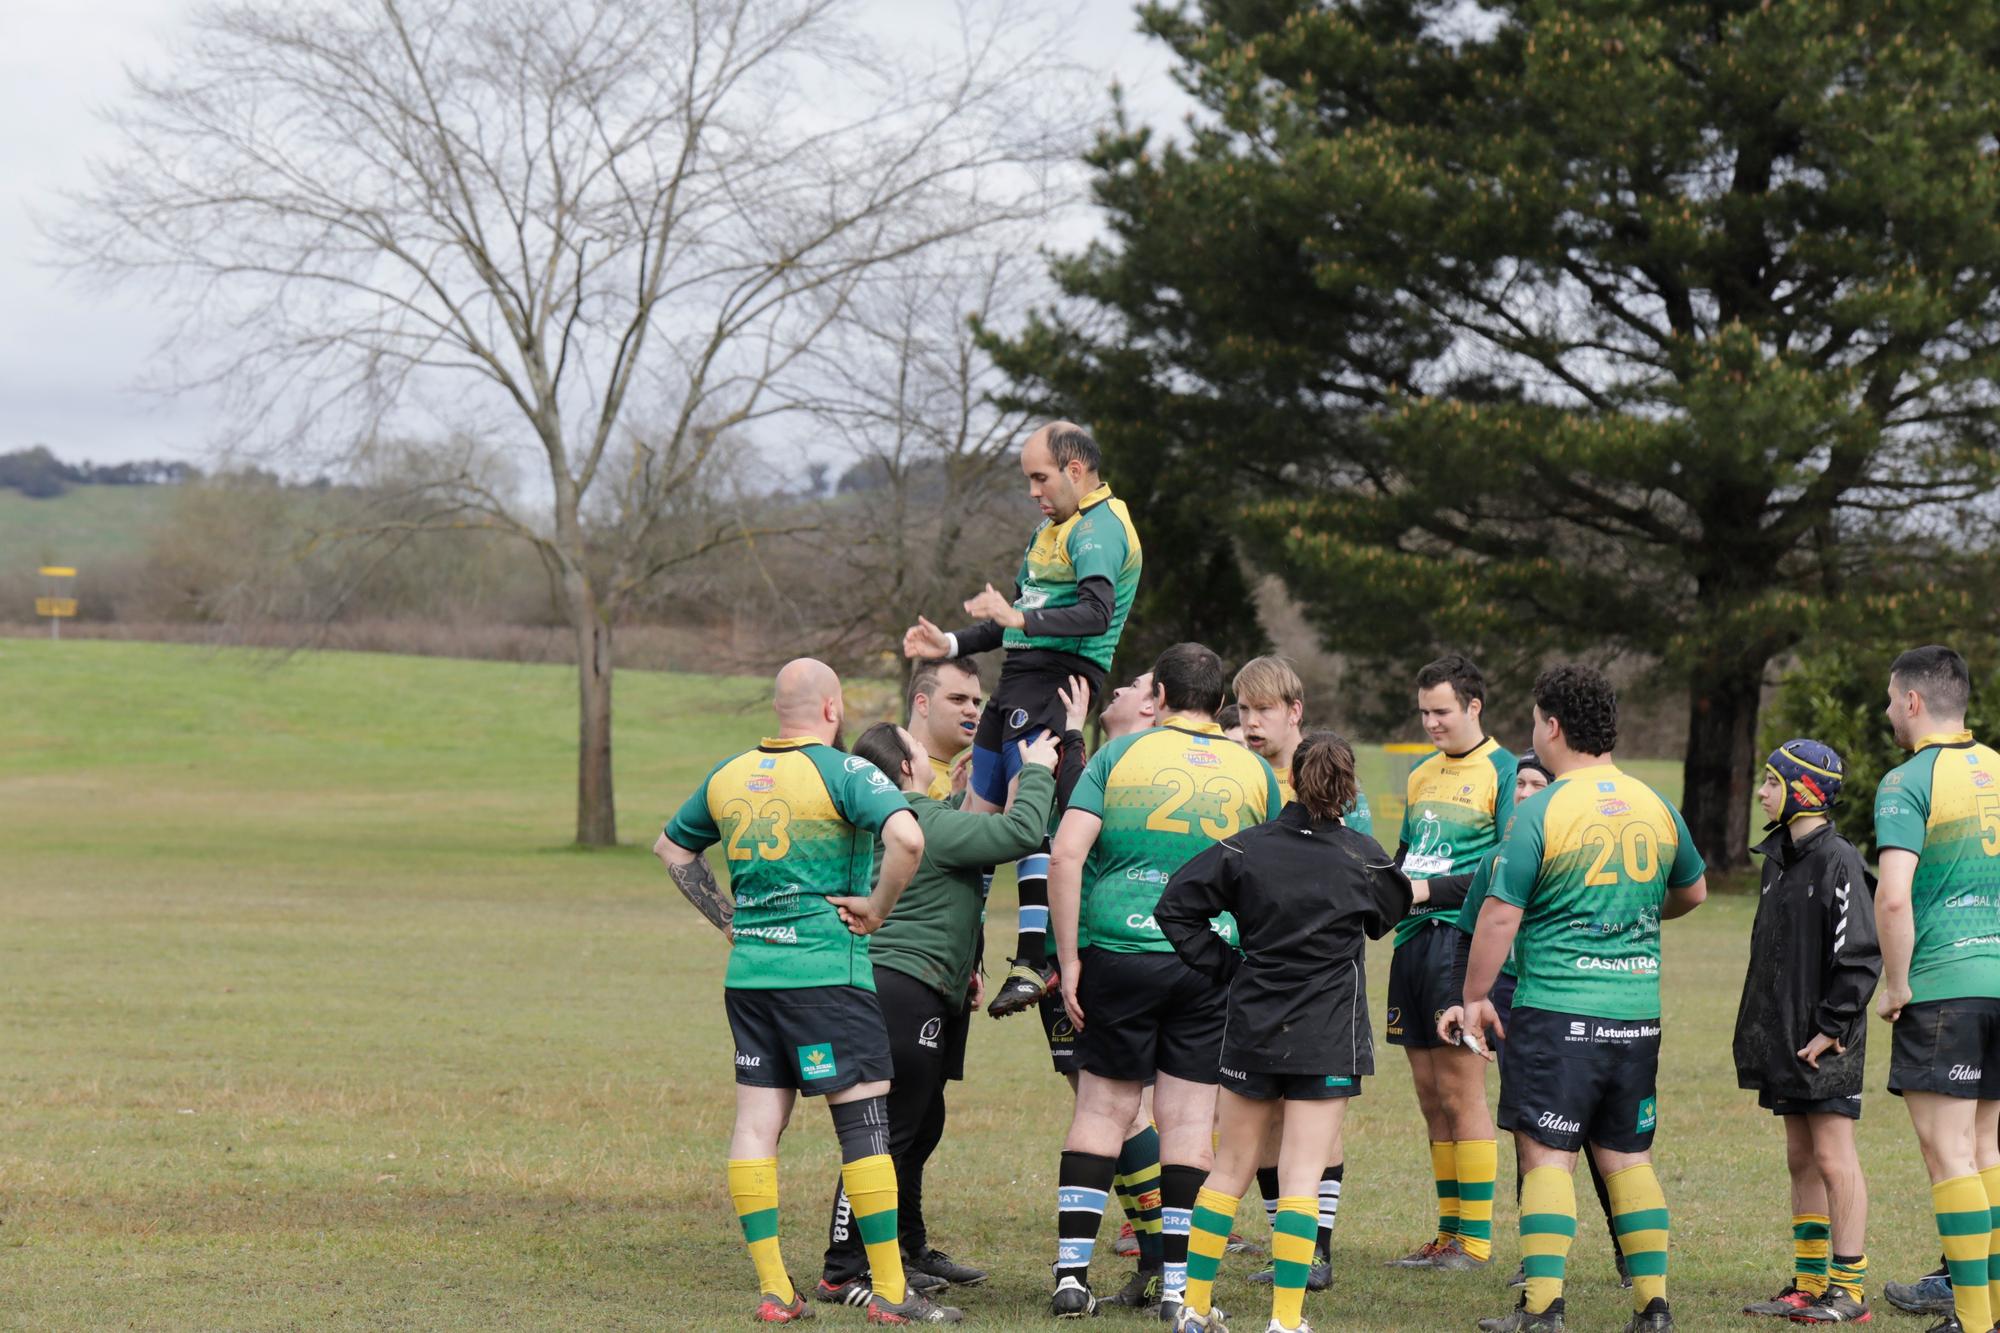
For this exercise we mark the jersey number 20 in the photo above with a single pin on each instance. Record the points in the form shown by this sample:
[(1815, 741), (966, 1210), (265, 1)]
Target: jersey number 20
[(1635, 847)]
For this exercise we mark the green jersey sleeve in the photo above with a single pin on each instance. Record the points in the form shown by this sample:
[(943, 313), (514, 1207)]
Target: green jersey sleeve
[(1519, 863), (1097, 546), (1902, 811), (1088, 795), (1505, 769), (862, 794), (1274, 799), (1687, 865), (693, 825)]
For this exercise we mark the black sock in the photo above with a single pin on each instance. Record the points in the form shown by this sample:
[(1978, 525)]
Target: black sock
[(1083, 1182), (1179, 1185), (1329, 1205), (1267, 1186), (1604, 1202), (1031, 938)]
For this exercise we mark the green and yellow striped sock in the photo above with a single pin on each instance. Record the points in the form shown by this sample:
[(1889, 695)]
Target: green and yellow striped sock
[(753, 1187), (871, 1190), (1291, 1257), (1208, 1237), (1140, 1158), (1639, 1217), (1965, 1225), (1811, 1244), (1990, 1177), (1850, 1274), (1548, 1225), (1478, 1164), (1444, 1172)]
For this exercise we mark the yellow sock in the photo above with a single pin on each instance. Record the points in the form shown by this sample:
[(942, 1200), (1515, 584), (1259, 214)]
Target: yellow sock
[(1548, 1225), (1990, 1177), (753, 1186), (1478, 1164), (1208, 1237), (871, 1189), (1291, 1257), (1639, 1217), (1810, 1248), (1852, 1278), (1444, 1171), (1965, 1225)]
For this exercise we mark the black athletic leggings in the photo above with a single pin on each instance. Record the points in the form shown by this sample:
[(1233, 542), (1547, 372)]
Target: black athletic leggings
[(919, 1022)]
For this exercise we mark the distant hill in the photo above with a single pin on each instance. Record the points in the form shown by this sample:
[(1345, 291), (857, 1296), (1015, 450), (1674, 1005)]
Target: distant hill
[(85, 525)]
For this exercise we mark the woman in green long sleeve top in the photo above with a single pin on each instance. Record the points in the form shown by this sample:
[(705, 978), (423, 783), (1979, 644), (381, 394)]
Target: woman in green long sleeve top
[(923, 957)]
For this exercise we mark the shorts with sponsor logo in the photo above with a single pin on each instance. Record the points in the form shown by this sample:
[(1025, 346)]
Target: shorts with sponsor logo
[(1060, 1032), (1263, 1087), (817, 1039), (1420, 987), (1947, 1046), (1848, 1106), (1023, 703), (1569, 1079), (1146, 1014)]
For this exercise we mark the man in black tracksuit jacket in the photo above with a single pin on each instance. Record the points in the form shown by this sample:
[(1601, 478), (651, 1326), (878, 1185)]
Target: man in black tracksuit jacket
[(1802, 1024)]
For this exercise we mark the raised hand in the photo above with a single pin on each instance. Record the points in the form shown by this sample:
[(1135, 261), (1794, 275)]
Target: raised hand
[(990, 604), (1075, 699), (924, 640)]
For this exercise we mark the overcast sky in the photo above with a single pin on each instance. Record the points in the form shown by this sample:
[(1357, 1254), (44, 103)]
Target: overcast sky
[(72, 363)]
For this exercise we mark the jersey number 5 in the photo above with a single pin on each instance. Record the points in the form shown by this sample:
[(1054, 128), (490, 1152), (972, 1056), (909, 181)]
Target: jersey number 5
[(760, 831), (1174, 816), (1635, 846)]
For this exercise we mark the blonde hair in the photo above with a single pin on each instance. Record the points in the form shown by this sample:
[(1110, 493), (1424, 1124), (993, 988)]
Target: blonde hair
[(1264, 679)]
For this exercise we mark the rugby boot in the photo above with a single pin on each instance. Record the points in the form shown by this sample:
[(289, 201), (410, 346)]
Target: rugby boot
[(1929, 1294), (771, 1310), (855, 1291), (1452, 1259), (1072, 1300), (1655, 1318), (1520, 1278), (1023, 987), (1237, 1245), (943, 1267), (1318, 1278), (916, 1308), (1949, 1324), (1277, 1327), (1624, 1271), (1140, 1292), (1187, 1321), (1421, 1257), (1837, 1306), (1518, 1320), (1127, 1245), (1784, 1305)]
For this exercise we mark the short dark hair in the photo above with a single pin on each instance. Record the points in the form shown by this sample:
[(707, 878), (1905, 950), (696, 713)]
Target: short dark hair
[(1937, 673), (1583, 701), (1467, 681), (882, 745), (1073, 444), (925, 678), (1230, 716), (1323, 774), (1191, 676)]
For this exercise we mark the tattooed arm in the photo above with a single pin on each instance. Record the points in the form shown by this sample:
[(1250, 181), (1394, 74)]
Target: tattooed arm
[(696, 882)]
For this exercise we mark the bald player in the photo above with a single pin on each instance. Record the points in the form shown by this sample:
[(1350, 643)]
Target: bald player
[(798, 822), (1071, 598)]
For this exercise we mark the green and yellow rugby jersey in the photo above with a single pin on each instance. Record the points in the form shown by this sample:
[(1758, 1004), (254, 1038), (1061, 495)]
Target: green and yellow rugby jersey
[(797, 821), (1467, 919), (1165, 795), (1589, 860), (1355, 816), (1944, 805), (1456, 807), (1097, 541)]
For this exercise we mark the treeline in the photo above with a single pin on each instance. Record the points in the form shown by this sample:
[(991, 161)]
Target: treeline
[(40, 475)]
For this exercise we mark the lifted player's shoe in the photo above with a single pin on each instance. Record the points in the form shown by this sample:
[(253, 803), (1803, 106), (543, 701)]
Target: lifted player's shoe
[(1655, 1318), (916, 1308), (1187, 1321), (1140, 1292), (1318, 1278), (1421, 1257), (1518, 1320), (1453, 1259), (855, 1291), (1835, 1307), (771, 1310), (1783, 1305), (938, 1264), (1023, 987), (1072, 1300), (1929, 1294)]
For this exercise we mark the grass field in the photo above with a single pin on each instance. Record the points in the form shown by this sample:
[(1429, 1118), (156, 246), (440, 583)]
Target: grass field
[(311, 1023)]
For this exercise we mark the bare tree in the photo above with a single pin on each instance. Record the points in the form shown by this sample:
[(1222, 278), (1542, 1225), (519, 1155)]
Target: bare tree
[(602, 234), (928, 510)]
